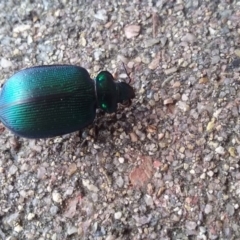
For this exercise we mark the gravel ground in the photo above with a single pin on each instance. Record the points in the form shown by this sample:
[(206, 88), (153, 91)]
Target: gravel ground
[(167, 167)]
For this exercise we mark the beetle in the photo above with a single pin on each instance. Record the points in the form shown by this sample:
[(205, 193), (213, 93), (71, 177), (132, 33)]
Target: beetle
[(52, 100)]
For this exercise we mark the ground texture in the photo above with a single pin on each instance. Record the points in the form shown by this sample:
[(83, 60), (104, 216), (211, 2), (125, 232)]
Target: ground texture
[(167, 167)]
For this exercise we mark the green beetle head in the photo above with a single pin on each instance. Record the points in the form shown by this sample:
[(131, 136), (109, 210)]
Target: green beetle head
[(110, 93)]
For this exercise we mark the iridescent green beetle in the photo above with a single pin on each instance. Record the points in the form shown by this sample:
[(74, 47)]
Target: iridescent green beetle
[(48, 101)]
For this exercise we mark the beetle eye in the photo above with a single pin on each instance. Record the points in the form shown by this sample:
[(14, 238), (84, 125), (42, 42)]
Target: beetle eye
[(101, 77), (104, 106)]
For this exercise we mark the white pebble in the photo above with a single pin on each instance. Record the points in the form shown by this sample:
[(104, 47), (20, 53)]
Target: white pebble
[(184, 97), (210, 173), (208, 209), (54, 236), (118, 215), (89, 186), (18, 228), (30, 216), (120, 181), (183, 106), (148, 200), (220, 150), (190, 225), (132, 31), (5, 63), (12, 170), (56, 196), (101, 15), (71, 230)]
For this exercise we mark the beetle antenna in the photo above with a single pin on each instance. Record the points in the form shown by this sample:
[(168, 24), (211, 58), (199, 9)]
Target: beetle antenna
[(127, 73)]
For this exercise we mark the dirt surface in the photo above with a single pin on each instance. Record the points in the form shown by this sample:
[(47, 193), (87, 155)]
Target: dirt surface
[(167, 167)]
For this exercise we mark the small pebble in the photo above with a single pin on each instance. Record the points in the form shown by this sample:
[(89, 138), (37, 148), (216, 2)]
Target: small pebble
[(154, 63), (220, 150), (5, 63), (203, 80), (54, 237), (148, 200), (170, 70), (56, 196), (21, 28), (132, 31), (89, 186), (176, 84), (101, 15), (215, 60), (151, 42), (211, 125), (230, 209), (72, 169), (177, 96), (189, 37), (184, 97), (71, 230), (30, 216), (210, 173), (117, 215), (168, 101), (12, 170), (183, 106), (54, 210), (237, 52), (111, 237), (232, 151), (208, 209), (119, 181), (18, 228), (133, 137), (191, 225), (130, 65)]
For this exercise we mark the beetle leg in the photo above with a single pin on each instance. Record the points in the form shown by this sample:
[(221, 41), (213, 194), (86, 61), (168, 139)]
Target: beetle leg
[(127, 73)]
